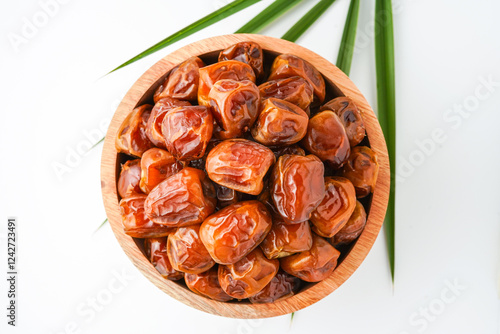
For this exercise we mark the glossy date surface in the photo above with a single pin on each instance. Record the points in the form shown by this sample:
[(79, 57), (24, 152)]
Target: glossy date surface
[(295, 90), (239, 164), (350, 116), (352, 230), (160, 109), (187, 131), (286, 239), (207, 284), (156, 166), (282, 286), (247, 52), (183, 199), (132, 138), (362, 170), (297, 186), (182, 82), (130, 176), (156, 251), (233, 232)]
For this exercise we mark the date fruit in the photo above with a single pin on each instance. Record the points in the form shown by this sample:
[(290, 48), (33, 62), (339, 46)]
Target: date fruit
[(297, 186), (280, 123), (183, 199), (135, 221), (235, 106), (187, 131), (153, 128), (229, 69), (156, 252), (156, 166), (207, 284), (327, 139), (186, 252), (130, 176), (295, 90), (132, 138), (226, 196), (362, 170), (286, 66), (313, 265), (336, 208), (249, 275), (286, 239), (282, 286), (239, 164), (233, 232), (247, 52), (350, 116), (182, 82), (352, 230)]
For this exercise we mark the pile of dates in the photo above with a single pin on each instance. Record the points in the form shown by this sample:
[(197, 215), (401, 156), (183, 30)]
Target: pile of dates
[(245, 191)]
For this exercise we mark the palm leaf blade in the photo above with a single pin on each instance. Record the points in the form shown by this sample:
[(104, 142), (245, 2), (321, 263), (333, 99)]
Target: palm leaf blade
[(269, 14), (346, 50)]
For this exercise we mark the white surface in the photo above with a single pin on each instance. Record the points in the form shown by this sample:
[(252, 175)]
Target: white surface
[(447, 209)]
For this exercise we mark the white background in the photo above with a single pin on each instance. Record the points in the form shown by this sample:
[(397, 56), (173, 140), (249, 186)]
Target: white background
[(448, 213)]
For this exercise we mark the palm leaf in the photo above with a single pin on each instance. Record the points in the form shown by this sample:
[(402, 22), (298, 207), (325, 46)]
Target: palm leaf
[(307, 20), (386, 100), (204, 22), (346, 49), (102, 224), (269, 14)]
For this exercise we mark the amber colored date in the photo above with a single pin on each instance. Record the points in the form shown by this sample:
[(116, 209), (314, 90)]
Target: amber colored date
[(350, 116), (362, 170), (336, 208), (130, 176), (235, 106), (286, 66), (229, 69), (207, 284), (156, 166), (248, 276), (132, 138), (136, 223), (153, 127), (187, 131), (280, 123), (282, 286), (295, 90), (327, 139), (297, 186), (182, 82), (352, 230), (313, 265), (233, 232), (156, 251), (286, 239), (183, 199), (239, 164), (186, 251), (247, 52)]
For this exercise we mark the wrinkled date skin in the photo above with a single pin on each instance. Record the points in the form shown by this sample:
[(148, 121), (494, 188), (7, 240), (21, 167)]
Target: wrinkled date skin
[(362, 170), (297, 186), (182, 82), (183, 199), (295, 90), (282, 286), (233, 232), (207, 284), (226, 196), (286, 66), (313, 265), (247, 52), (235, 105), (132, 138), (130, 176), (327, 139), (336, 208), (286, 239), (153, 128), (156, 166), (249, 275), (136, 223), (187, 131), (186, 252), (156, 251), (280, 123), (350, 116), (229, 69), (352, 230), (240, 164)]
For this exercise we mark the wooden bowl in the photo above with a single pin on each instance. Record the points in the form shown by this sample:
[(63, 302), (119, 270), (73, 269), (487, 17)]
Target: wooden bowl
[(338, 84)]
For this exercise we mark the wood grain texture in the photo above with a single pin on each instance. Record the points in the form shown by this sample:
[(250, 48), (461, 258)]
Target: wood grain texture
[(312, 293)]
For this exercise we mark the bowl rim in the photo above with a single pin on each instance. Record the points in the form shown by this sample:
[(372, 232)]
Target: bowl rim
[(144, 85)]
